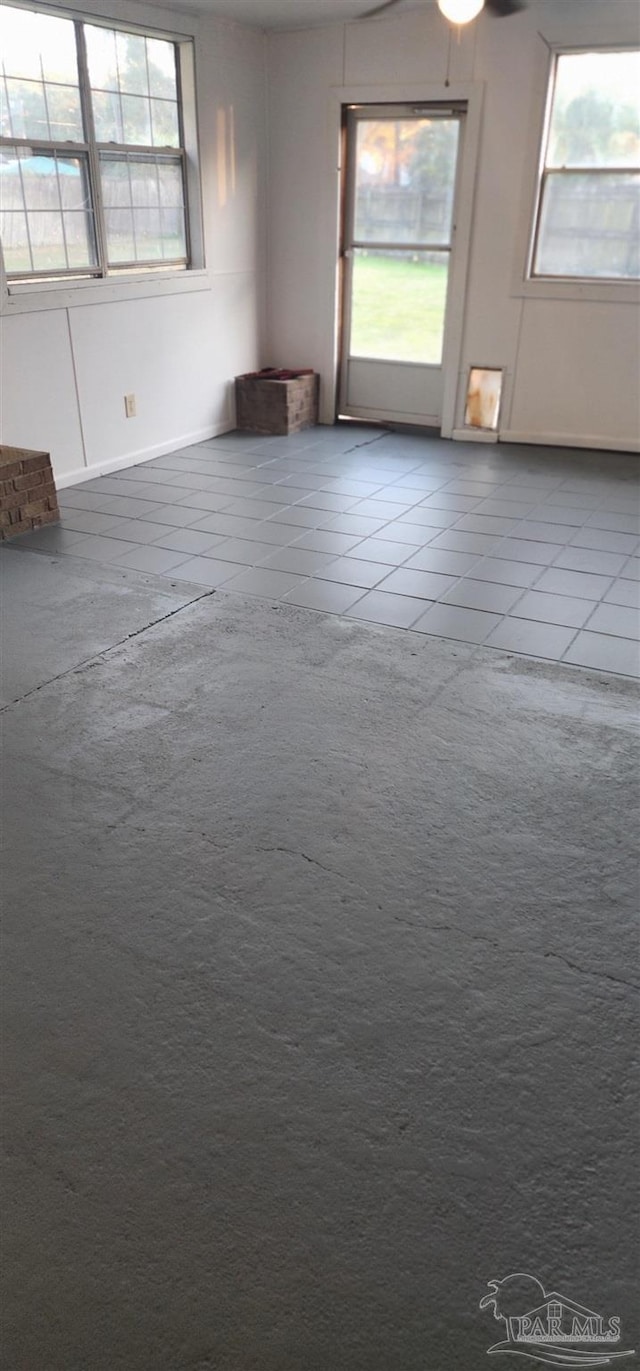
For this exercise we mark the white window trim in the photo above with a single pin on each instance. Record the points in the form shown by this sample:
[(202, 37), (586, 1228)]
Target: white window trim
[(26, 297), (523, 284)]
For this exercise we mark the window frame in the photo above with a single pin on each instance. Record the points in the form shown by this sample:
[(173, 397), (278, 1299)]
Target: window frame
[(61, 287), (596, 290), (545, 173)]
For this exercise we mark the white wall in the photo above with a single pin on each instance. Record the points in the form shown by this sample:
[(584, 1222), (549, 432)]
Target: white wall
[(66, 368), (571, 362)]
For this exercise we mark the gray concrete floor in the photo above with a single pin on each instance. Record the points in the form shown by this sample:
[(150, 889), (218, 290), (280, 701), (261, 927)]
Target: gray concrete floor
[(319, 995)]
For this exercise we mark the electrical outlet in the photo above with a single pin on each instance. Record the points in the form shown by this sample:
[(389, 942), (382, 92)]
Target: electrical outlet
[(130, 406)]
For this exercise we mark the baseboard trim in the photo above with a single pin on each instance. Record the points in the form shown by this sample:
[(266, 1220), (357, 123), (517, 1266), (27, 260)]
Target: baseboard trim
[(474, 435), (599, 442), (132, 459)]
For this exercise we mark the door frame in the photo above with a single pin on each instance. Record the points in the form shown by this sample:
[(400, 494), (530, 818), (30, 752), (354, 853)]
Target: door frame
[(458, 111), (330, 268)]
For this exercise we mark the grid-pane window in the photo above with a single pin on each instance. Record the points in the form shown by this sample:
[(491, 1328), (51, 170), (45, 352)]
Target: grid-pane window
[(134, 88), (143, 207), (588, 222), (40, 86), (92, 161), (46, 220)]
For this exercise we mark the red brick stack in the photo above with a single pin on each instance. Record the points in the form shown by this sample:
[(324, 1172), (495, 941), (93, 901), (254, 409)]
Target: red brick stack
[(277, 402), (27, 491)]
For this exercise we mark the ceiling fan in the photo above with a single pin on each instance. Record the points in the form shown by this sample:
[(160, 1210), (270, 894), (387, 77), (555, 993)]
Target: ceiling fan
[(460, 11)]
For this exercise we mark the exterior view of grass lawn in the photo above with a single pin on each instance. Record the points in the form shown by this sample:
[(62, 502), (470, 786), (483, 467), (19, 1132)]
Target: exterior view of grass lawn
[(398, 308)]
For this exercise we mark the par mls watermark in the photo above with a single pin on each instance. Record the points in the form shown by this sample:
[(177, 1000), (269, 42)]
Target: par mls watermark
[(550, 1328)]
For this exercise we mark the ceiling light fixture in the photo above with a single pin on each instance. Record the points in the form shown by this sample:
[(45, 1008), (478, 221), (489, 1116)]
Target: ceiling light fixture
[(460, 11)]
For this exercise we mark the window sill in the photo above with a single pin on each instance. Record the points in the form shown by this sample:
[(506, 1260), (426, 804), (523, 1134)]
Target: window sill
[(34, 297), (592, 292)]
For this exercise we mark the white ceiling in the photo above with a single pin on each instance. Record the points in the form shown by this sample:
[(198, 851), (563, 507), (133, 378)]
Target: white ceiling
[(287, 14)]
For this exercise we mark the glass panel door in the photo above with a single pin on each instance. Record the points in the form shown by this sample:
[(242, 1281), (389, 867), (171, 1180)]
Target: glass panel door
[(402, 170)]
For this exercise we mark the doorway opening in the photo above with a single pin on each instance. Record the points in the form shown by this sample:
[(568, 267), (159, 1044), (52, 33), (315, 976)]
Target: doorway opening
[(398, 237)]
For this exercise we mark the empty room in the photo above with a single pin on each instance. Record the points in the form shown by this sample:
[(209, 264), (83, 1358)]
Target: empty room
[(320, 565)]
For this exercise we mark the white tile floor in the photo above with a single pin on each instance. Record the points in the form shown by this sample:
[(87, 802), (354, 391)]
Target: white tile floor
[(530, 550)]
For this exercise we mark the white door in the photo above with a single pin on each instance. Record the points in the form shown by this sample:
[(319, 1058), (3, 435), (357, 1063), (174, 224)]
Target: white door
[(399, 228)]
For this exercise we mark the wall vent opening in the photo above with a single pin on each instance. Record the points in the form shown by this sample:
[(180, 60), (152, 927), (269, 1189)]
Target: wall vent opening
[(484, 393)]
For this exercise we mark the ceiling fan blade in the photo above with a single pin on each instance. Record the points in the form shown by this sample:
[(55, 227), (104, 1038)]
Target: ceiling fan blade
[(502, 8), (379, 9)]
